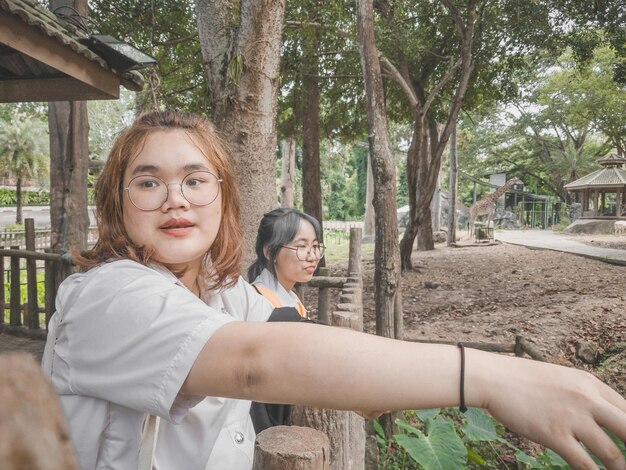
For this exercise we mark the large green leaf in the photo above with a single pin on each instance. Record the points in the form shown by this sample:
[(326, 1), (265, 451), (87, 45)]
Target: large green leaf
[(406, 427), (441, 449), (480, 427), (427, 414), (553, 460)]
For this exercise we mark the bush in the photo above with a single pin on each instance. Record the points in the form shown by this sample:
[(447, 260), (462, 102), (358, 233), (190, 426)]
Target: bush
[(8, 197)]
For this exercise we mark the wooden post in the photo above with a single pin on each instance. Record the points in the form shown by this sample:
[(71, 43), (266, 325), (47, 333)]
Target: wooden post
[(345, 429), (31, 275), (50, 287), (323, 300), (2, 299), (291, 448), (354, 258), (15, 318)]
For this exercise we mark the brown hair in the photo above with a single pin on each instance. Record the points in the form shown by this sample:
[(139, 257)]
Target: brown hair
[(113, 241)]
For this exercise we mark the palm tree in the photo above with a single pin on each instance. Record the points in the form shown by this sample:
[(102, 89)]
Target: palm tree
[(23, 152)]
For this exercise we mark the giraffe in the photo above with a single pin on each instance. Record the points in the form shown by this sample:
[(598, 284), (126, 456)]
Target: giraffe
[(487, 205)]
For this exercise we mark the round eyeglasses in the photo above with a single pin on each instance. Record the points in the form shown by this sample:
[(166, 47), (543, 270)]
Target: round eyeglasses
[(148, 193), (304, 253)]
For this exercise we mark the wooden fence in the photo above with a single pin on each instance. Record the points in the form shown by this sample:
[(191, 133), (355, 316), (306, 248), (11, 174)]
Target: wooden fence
[(26, 251)]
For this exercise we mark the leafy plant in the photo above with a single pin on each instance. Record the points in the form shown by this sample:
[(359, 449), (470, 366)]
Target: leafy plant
[(439, 439)]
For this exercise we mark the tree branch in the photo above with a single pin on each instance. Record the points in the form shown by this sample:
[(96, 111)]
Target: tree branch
[(175, 41), (439, 86), (397, 77)]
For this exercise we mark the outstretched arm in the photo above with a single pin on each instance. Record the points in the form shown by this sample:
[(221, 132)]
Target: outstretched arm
[(335, 368)]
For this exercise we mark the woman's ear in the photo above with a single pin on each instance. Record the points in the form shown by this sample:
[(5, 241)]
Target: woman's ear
[(266, 253)]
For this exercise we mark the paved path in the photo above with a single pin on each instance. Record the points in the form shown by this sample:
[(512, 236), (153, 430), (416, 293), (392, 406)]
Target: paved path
[(548, 240)]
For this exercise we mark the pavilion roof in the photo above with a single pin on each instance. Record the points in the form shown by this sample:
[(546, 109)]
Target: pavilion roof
[(36, 45), (603, 178)]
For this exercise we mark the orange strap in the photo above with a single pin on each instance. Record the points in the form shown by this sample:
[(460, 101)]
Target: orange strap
[(275, 301)]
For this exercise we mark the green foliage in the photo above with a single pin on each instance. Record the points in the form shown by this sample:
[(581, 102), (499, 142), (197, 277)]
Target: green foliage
[(441, 439), (169, 32), (106, 119), (320, 46), (338, 246), (437, 447), (24, 146), (41, 293), (569, 117), (341, 175), (8, 197)]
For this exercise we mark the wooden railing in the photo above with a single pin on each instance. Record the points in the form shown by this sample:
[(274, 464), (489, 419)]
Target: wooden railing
[(22, 256), (43, 238)]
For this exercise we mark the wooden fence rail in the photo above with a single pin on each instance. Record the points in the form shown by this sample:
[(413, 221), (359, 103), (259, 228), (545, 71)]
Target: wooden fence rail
[(23, 255)]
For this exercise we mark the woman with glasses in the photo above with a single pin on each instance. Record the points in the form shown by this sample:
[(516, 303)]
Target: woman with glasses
[(288, 251), (161, 324)]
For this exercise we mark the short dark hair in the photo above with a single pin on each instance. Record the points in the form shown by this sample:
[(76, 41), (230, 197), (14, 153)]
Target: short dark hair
[(277, 228)]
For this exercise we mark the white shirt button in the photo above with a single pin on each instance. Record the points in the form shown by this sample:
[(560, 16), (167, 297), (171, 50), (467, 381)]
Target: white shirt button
[(239, 438)]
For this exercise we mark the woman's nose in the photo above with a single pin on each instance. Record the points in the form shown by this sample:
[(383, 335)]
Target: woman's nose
[(175, 196)]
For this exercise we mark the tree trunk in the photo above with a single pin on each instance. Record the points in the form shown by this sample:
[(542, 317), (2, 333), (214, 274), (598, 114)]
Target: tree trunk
[(435, 206), (425, 240), (240, 43), (427, 158), (69, 162), (311, 183), (386, 254), (311, 177), (368, 225), (288, 173), (18, 200), (413, 166), (68, 125), (452, 182)]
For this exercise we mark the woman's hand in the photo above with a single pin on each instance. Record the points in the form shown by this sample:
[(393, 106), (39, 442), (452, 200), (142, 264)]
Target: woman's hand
[(558, 407)]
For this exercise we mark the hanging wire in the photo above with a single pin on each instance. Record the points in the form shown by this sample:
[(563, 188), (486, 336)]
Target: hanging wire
[(73, 17)]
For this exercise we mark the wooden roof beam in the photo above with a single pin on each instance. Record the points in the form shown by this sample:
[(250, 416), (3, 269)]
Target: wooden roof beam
[(89, 78)]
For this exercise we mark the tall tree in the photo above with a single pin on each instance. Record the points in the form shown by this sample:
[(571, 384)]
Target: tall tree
[(428, 143), (386, 253), (23, 152), (433, 51), (68, 124), (240, 43), (311, 184)]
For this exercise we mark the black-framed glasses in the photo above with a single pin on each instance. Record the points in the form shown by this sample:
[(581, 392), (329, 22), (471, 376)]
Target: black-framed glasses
[(148, 193), (303, 253)]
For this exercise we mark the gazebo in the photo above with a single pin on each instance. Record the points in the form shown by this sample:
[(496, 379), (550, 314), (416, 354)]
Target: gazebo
[(603, 192)]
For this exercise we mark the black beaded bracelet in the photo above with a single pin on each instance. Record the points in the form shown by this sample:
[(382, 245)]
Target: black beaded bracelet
[(462, 406)]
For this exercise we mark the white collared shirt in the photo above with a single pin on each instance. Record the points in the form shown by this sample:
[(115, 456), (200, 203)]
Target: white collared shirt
[(121, 345), (268, 280)]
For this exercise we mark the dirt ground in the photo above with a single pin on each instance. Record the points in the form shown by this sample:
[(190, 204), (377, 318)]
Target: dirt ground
[(555, 301)]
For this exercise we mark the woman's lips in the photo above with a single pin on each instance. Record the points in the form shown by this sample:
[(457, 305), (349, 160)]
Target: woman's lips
[(177, 227)]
